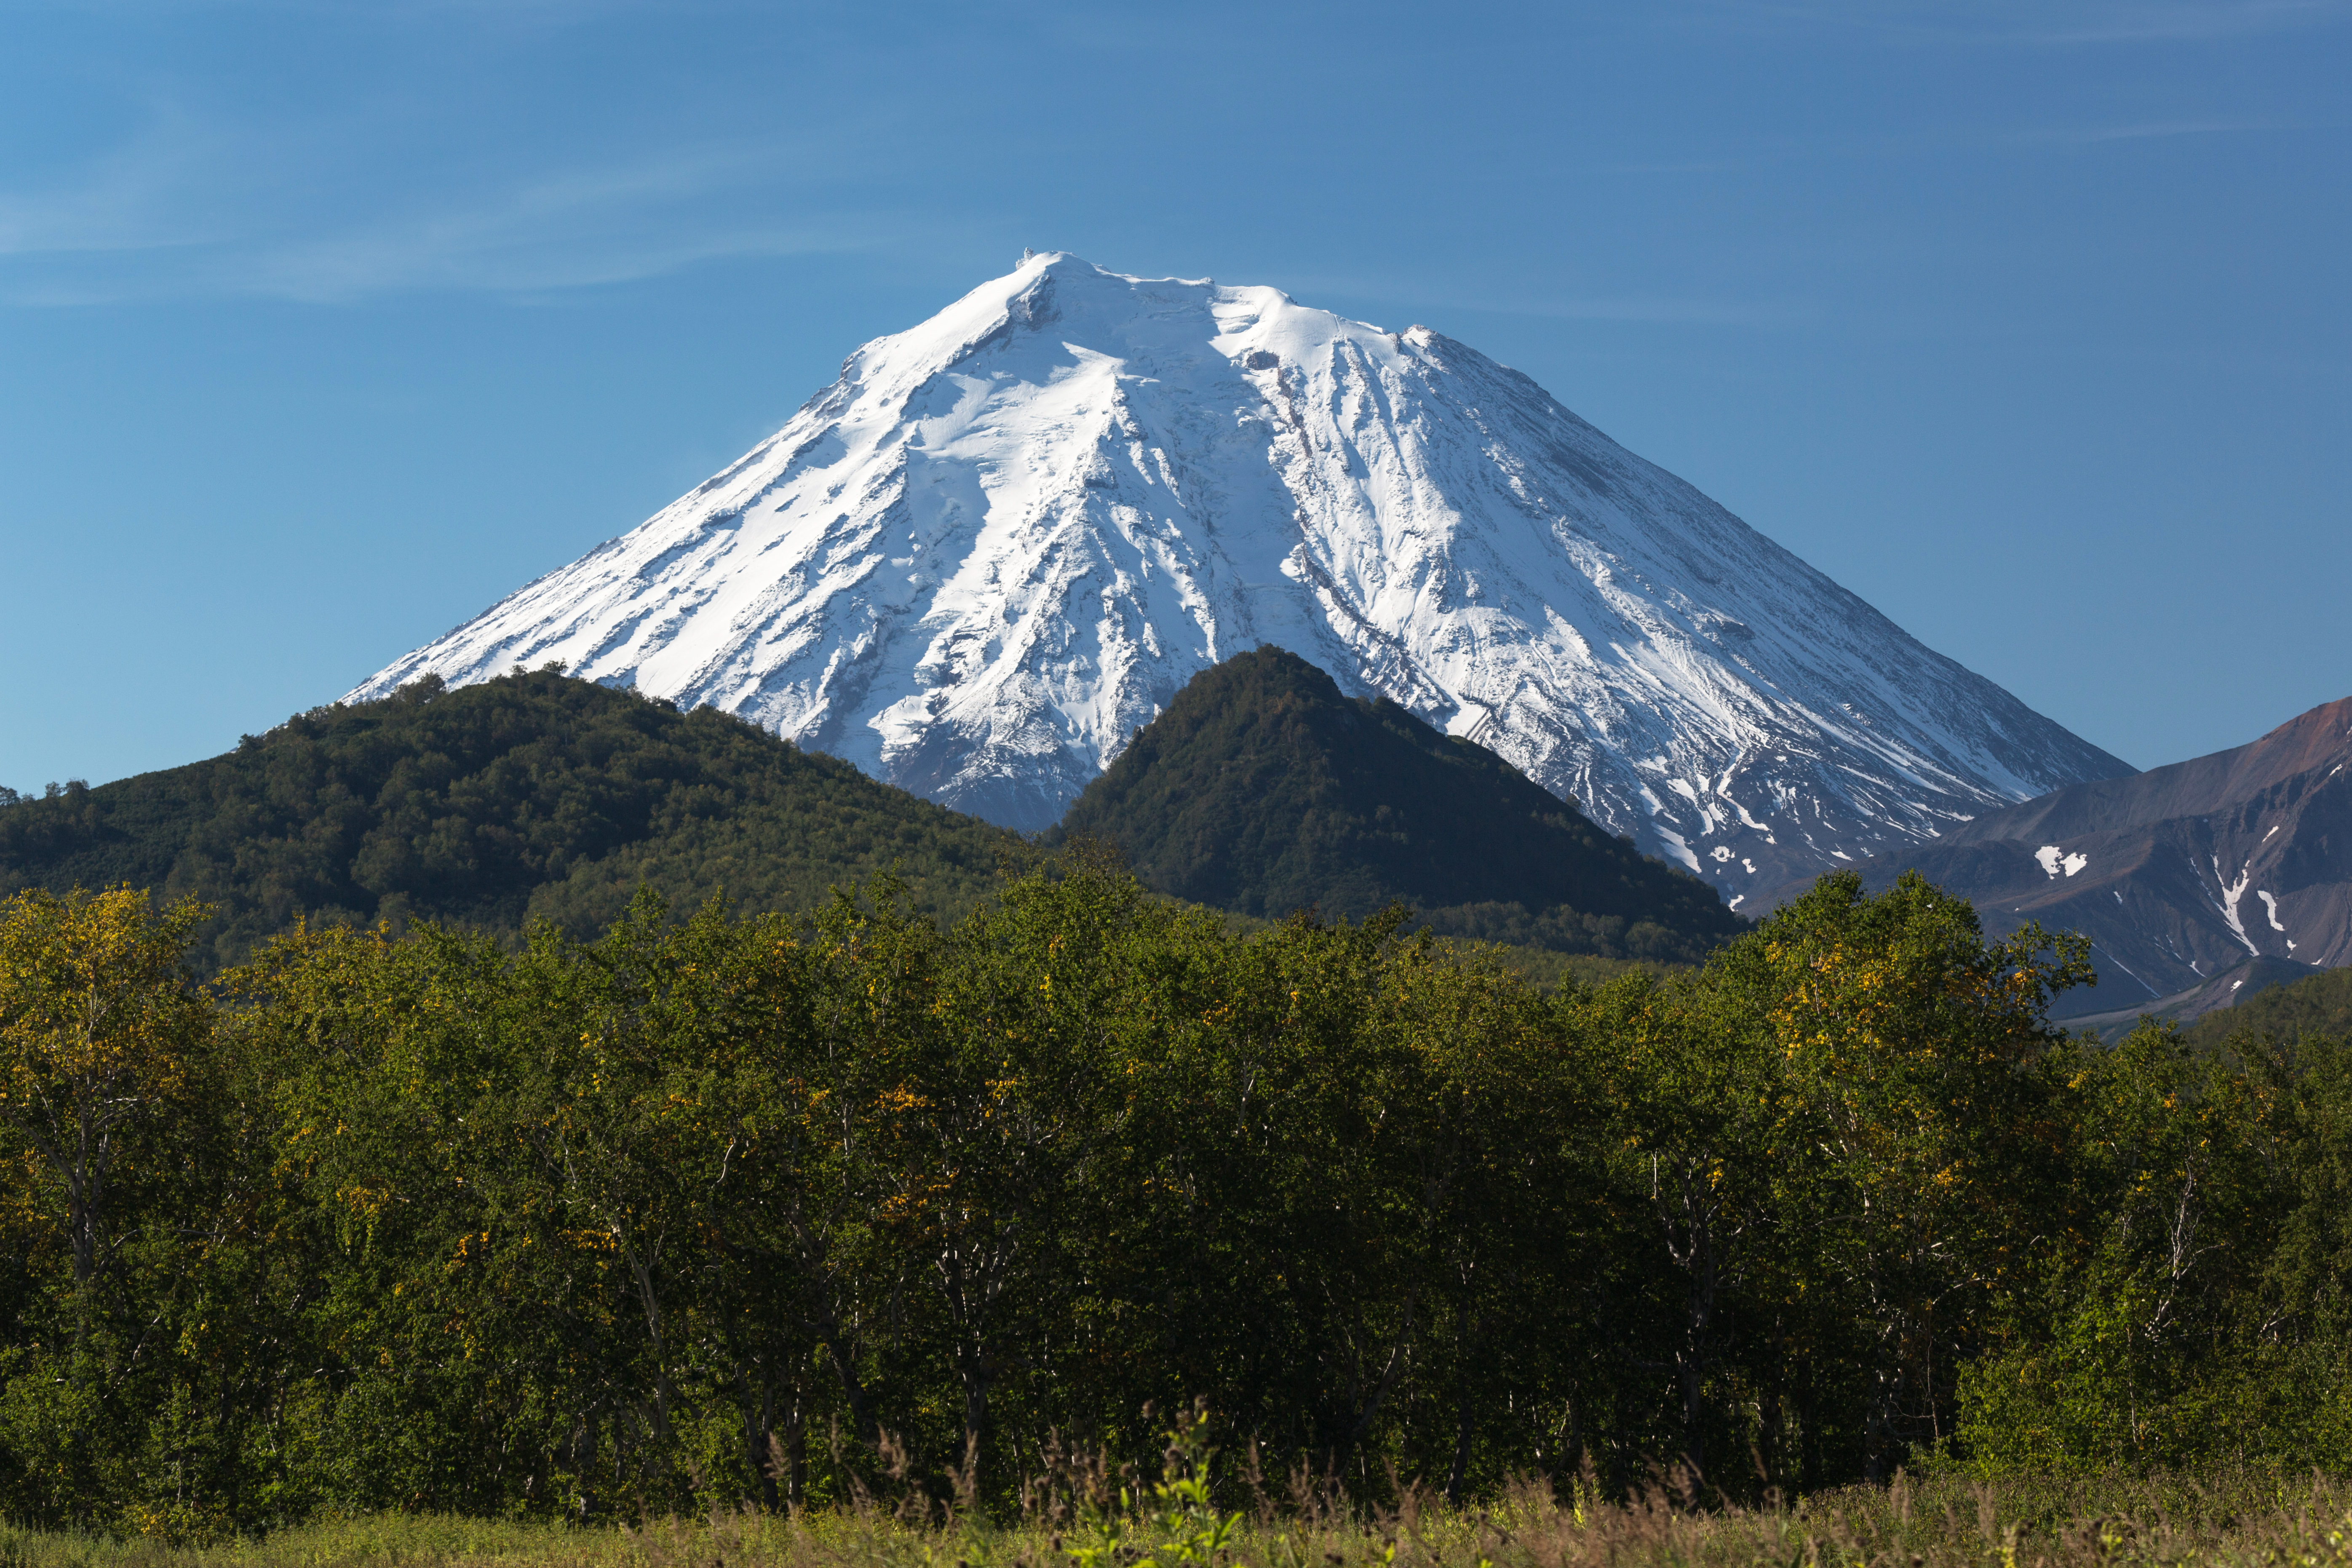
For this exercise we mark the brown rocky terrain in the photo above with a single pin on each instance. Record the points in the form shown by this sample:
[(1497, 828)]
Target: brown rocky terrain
[(2178, 875)]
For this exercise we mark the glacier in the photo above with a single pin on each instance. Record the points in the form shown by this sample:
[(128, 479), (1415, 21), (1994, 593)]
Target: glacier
[(999, 542)]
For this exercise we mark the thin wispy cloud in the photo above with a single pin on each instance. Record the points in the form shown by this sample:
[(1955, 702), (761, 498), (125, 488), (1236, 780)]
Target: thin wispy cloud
[(1656, 309), (2143, 131), (1566, 305), (570, 228), (2048, 22), (189, 208), (2118, 24), (378, 146), (131, 197), (1895, 148), (463, 152), (497, 253)]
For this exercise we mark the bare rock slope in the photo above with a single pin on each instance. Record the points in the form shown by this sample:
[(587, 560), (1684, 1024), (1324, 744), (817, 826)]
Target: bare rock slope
[(2178, 875)]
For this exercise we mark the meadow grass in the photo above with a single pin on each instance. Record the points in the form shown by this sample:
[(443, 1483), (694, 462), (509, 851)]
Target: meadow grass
[(2217, 1516)]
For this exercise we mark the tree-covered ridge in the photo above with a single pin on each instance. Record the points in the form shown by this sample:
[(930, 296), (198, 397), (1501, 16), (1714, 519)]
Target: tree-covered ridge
[(697, 1214), (2317, 1003), (530, 796), (1265, 789)]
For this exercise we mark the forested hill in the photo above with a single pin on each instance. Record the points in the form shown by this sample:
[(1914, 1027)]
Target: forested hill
[(530, 796), (2318, 1005), (1262, 789)]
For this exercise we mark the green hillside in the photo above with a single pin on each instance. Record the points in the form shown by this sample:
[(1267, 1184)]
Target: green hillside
[(533, 796), (1262, 789), (2318, 1005)]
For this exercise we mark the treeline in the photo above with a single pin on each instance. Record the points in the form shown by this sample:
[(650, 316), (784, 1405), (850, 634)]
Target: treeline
[(537, 797), (2317, 1003), (532, 796), (719, 1210), (1262, 789)]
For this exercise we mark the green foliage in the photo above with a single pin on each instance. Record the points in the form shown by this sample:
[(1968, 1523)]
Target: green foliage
[(1262, 789), (2200, 1306), (789, 1210), (1836, 1129), (1548, 970), (1160, 1524), (527, 798), (2316, 1004), (110, 1102)]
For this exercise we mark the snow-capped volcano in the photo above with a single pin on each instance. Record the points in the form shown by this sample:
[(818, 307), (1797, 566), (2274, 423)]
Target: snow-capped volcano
[(1001, 542)]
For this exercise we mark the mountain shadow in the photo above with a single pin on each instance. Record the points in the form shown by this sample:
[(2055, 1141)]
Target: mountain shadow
[(1264, 790), (528, 796)]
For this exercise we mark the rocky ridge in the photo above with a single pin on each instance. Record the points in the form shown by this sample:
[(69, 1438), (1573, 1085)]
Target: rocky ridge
[(2178, 875)]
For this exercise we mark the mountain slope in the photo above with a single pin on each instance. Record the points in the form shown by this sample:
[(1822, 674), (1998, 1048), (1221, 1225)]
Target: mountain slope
[(531, 795), (2176, 874), (1002, 541), (2233, 988), (1262, 789), (2316, 1004)]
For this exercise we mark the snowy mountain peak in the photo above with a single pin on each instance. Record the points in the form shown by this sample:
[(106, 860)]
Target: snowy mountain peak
[(1003, 539)]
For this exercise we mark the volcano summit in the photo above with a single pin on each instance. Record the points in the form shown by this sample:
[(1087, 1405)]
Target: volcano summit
[(1002, 541)]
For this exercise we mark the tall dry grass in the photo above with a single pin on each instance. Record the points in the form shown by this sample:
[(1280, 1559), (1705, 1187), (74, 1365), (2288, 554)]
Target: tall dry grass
[(2222, 1517)]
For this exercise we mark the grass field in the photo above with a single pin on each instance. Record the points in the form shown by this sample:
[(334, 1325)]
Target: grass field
[(2221, 1517)]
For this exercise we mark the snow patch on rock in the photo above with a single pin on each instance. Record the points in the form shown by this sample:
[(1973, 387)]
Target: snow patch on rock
[(2231, 893)]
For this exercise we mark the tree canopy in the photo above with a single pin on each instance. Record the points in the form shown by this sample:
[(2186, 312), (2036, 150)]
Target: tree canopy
[(2316, 1004), (532, 796), (1262, 789), (712, 1210)]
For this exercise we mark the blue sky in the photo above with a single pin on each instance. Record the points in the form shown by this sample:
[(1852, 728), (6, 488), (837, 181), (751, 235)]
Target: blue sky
[(324, 325)]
